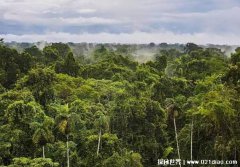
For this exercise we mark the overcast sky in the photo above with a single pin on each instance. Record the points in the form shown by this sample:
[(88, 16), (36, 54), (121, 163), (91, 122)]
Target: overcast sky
[(124, 21)]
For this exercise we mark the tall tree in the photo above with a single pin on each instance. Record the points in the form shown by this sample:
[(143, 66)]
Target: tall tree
[(65, 122), (102, 122), (173, 113), (43, 133)]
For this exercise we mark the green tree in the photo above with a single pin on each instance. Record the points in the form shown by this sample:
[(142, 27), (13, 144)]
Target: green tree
[(68, 66), (62, 48), (102, 122), (51, 55), (173, 112), (161, 62), (35, 53), (43, 134), (65, 123), (37, 162), (235, 57), (40, 82), (191, 47)]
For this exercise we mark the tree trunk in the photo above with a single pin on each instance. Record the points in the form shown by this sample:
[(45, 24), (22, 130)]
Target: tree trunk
[(192, 141), (175, 127), (235, 154), (43, 152), (99, 141), (68, 161)]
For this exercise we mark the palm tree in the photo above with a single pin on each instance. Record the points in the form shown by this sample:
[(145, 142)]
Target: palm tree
[(102, 122), (173, 113), (65, 122), (43, 134), (64, 127)]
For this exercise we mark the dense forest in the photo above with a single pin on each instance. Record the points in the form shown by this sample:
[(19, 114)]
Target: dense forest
[(109, 110)]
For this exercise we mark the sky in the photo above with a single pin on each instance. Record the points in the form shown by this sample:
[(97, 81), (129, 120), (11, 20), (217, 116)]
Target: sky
[(121, 21)]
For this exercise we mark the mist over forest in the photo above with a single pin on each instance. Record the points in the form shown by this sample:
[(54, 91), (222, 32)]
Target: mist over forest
[(140, 52), (119, 83), (118, 105)]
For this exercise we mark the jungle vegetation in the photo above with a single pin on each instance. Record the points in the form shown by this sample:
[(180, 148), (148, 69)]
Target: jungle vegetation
[(109, 110)]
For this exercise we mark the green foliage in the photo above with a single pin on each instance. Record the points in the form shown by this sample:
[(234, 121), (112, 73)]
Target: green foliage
[(9, 66), (68, 66), (40, 82), (191, 47), (63, 49), (43, 133), (37, 162), (161, 62), (34, 51), (235, 58), (50, 55), (108, 110)]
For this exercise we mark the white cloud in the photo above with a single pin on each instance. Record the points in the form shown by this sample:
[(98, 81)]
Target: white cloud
[(212, 21), (136, 37), (86, 11), (58, 21), (87, 21), (151, 20)]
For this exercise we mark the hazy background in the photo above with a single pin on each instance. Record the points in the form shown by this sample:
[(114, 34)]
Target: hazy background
[(121, 21)]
